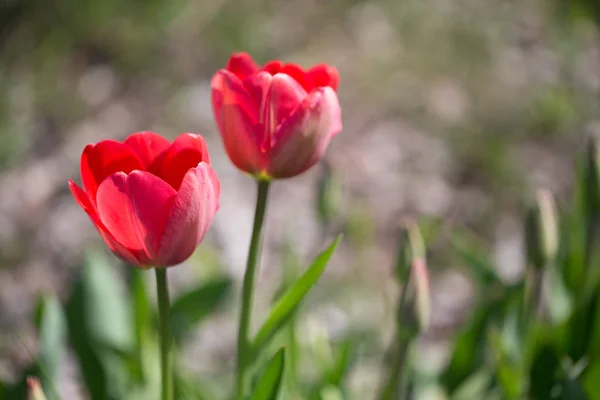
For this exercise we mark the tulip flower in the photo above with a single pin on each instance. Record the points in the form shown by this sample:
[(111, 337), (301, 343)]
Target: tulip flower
[(275, 121), (152, 201)]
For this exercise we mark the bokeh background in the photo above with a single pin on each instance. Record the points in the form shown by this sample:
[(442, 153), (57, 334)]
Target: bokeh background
[(454, 112)]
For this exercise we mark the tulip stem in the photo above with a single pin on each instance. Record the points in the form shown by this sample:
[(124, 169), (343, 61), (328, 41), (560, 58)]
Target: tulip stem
[(166, 341), (243, 350)]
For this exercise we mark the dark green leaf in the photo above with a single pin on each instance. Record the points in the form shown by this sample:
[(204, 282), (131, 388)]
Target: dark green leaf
[(544, 370), (192, 307), (268, 385), (288, 302)]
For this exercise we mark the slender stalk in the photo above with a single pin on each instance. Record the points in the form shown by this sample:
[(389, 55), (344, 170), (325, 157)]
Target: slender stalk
[(164, 321), (243, 351), (396, 385)]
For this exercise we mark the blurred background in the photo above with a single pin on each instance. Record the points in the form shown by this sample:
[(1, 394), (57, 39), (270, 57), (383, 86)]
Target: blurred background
[(454, 113)]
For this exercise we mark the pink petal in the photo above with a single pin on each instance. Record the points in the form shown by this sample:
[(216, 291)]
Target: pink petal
[(323, 75), (236, 117), (302, 139), (285, 96), (151, 198), (116, 213), (84, 202), (148, 146), (257, 86), (104, 159), (242, 65), (186, 152), (191, 214)]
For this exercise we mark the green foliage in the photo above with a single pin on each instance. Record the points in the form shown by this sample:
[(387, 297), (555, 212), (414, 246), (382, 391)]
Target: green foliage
[(270, 382), (287, 304), (192, 307)]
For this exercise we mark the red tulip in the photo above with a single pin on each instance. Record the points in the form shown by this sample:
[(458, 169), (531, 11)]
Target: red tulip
[(151, 200), (275, 121)]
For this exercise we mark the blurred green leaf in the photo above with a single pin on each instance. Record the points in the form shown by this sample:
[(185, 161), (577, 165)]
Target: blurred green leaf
[(99, 321), (142, 321), (591, 380), (468, 352), (192, 307), (288, 302), (52, 327), (558, 298), (508, 370), (544, 369), (186, 388), (82, 342), (108, 313), (570, 389), (477, 262), (475, 386), (268, 385)]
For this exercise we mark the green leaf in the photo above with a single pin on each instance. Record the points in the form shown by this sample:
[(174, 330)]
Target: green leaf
[(192, 307), (92, 370), (288, 302), (108, 313), (545, 366), (141, 307), (268, 385), (477, 261), (100, 328), (52, 326), (591, 380), (474, 387)]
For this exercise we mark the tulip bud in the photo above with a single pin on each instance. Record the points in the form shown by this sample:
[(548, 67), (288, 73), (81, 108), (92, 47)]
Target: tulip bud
[(328, 195), (541, 231), (411, 268), (35, 389), (410, 247)]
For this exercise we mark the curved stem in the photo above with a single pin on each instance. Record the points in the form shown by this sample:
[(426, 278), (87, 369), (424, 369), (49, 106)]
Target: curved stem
[(164, 318), (243, 351)]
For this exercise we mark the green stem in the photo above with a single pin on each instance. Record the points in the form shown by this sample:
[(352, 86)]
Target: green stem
[(164, 320), (244, 351)]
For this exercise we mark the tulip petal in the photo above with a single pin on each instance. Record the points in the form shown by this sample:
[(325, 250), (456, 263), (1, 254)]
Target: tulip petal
[(285, 95), (236, 117), (301, 140), (273, 67), (298, 74), (151, 199), (116, 213), (242, 65), (84, 202), (191, 214), (186, 152), (104, 159), (323, 75), (148, 146)]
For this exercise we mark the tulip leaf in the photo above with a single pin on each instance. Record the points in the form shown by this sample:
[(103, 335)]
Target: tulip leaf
[(107, 304), (100, 330), (192, 307), (478, 263), (92, 370), (268, 385), (289, 301), (52, 326)]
